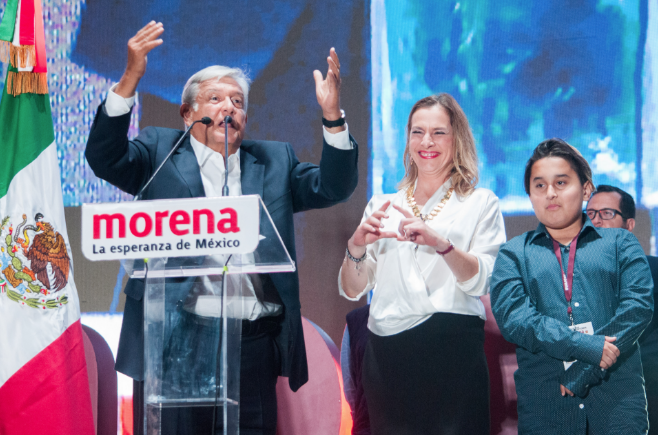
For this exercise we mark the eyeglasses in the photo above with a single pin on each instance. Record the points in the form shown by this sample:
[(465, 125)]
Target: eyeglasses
[(605, 213)]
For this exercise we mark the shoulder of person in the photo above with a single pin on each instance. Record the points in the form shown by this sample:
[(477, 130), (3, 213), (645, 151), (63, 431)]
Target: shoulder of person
[(517, 244), (268, 150), (627, 238), (511, 258), (254, 146), (653, 266), (479, 194), (481, 198), (653, 261), (616, 235), (163, 134)]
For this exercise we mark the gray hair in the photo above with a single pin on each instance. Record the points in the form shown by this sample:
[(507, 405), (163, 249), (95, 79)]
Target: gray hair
[(215, 72)]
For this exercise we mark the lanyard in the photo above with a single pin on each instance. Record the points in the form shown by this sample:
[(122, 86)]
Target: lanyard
[(567, 280)]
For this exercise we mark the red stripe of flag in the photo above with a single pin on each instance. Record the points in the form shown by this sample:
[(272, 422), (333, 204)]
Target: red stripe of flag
[(27, 23), (50, 394), (39, 40)]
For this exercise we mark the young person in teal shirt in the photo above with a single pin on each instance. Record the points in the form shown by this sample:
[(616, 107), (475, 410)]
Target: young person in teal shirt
[(574, 299)]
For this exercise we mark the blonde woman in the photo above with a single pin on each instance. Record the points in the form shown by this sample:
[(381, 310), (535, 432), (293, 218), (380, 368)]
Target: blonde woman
[(429, 250)]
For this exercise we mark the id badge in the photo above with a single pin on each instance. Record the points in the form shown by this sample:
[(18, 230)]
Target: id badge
[(583, 328)]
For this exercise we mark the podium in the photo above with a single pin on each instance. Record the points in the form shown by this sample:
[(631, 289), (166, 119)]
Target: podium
[(196, 294)]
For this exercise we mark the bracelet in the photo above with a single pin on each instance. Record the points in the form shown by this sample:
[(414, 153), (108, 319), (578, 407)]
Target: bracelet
[(353, 258), (450, 248)]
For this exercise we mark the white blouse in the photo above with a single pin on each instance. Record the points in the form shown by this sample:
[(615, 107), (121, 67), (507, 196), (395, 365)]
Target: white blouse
[(412, 285)]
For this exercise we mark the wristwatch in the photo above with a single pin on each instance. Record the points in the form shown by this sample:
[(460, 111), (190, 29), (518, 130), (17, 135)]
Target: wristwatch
[(337, 123)]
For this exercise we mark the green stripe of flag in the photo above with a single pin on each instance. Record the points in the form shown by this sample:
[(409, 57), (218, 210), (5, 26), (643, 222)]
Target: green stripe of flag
[(9, 21), (26, 129)]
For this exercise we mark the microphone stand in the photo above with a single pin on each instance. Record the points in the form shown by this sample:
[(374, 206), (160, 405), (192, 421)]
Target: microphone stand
[(222, 348), (227, 121), (205, 120)]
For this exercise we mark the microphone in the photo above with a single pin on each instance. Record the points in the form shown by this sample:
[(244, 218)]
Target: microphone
[(227, 121), (205, 120)]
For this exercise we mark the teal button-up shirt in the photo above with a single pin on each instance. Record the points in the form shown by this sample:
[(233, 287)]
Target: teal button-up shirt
[(613, 289)]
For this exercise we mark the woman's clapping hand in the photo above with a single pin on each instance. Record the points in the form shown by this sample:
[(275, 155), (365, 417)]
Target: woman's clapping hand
[(370, 230), (414, 229)]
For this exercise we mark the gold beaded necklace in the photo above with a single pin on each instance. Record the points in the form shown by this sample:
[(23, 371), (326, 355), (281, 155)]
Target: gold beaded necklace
[(431, 215)]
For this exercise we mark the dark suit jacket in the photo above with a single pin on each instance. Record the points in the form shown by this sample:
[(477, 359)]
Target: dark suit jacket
[(269, 169)]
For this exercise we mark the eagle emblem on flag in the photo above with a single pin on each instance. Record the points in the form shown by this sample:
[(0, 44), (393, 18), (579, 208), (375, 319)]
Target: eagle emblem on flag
[(34, 263)]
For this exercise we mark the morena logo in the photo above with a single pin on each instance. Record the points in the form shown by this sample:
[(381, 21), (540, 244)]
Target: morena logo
[(178, 223)]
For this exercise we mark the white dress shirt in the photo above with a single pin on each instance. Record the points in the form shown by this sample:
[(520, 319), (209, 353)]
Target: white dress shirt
[(412, 285), (203, 299)]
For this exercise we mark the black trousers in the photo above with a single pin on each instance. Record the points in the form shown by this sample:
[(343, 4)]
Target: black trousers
[(260, 365), (430, 379)]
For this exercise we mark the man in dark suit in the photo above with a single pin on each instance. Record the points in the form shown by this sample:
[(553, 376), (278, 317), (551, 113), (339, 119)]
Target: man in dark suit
[(611, 207), (273, 342)]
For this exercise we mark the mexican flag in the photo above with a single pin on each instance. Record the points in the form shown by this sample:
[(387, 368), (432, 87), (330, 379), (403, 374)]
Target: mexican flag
[(44, 388)]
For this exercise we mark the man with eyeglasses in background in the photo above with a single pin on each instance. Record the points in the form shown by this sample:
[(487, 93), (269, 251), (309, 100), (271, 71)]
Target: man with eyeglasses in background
[(611, 207)]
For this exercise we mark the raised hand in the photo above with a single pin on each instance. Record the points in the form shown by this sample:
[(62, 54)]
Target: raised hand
[(328, 90), (413, 229), (138, 47), (369, 231), (610, 353)]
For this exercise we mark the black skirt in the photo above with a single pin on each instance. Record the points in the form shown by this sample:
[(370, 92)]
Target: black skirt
[(431, 379)]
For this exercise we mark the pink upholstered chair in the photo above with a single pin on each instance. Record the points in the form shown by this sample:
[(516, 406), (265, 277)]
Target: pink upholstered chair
[(319, 407), (501, 358), (102, 382)]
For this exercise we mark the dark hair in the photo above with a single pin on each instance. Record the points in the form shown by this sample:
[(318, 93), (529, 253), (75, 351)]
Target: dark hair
[(558, 148), (626, 204)]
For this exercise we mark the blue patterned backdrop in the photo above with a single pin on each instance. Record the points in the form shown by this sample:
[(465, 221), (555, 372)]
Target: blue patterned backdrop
[(523, 71)]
